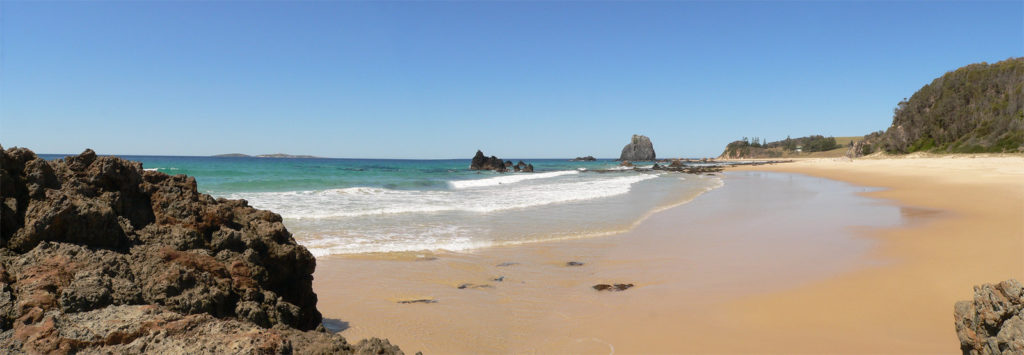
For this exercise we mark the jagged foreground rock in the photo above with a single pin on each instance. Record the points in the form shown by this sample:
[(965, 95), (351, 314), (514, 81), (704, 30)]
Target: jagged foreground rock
[(993, 323), (98, 255), (639, 148)]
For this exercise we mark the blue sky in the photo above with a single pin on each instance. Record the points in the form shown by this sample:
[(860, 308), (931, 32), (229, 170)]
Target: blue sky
[(442, 79)]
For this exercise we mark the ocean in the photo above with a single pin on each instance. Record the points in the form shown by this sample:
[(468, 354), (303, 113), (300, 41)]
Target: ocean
[(354, 206)]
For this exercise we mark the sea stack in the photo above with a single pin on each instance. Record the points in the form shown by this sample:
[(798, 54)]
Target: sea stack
[(638, 149), (483, 162)]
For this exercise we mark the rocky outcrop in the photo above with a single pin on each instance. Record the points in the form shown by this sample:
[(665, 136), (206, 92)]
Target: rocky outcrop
[(483, 162), (860, 148), (524, 167), (98, 255), (586, 158), (993, 323), (639, 148)]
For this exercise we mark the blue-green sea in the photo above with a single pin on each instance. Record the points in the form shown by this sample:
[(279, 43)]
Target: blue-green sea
[(349, 206)]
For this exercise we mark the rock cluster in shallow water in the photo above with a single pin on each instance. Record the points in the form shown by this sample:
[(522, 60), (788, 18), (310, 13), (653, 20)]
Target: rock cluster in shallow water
[(483, 162), (98, 255), (992, 323)]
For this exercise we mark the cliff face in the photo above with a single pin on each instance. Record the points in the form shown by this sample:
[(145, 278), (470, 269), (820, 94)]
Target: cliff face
[(97, 254), (639, 148), (992, 323)]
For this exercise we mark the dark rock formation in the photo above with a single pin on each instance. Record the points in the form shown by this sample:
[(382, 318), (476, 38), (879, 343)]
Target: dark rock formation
[(613, 288), (638, 149), (993, 323), (482, 162), (521, 166), (148, 329), (418, 300), (574, 263), (89, 243), (472, 285), (586, 158)]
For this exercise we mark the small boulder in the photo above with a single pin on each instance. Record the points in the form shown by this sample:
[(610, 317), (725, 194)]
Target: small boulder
[(612, 288)]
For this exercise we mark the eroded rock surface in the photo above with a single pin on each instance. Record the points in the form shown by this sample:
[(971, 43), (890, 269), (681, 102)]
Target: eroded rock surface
[(483, 162), (639, 148), (98, 255), (992, 323)]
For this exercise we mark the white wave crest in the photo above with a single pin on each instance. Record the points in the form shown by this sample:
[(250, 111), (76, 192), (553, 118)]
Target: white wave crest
[(507, 179), (364, 201)]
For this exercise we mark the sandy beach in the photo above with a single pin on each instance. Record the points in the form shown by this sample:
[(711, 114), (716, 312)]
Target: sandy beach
[(823, 255)]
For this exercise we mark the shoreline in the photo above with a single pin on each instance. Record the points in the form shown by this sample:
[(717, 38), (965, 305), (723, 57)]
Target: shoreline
[(975, 236), (552, 308)]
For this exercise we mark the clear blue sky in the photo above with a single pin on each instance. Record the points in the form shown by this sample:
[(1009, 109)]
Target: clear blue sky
[(442, 79)]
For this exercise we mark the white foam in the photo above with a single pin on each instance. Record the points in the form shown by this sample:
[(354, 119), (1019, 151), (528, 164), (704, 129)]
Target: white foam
[(451, 238), (507, 179), (459, 231), (364, 201)]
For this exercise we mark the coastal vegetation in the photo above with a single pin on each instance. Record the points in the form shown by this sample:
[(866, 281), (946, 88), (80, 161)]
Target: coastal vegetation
[(976, 108), (789, 147)]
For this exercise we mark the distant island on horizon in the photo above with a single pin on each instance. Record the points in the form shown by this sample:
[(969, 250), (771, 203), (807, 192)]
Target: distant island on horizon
[(275, 155)]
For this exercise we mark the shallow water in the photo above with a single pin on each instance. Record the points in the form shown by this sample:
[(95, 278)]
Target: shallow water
[(350, 206)]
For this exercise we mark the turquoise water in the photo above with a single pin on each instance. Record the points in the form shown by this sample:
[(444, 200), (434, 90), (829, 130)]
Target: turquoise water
[(347, 206)]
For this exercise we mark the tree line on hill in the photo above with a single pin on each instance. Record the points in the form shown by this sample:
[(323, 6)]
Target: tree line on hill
[(758, 148), (974, 109)]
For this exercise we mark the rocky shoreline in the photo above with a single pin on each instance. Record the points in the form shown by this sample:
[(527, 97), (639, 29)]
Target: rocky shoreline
[(993, 322), (98, 255)]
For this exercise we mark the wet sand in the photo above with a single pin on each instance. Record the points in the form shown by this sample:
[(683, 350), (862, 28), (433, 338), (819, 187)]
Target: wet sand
[(905, 306), (771, 262)]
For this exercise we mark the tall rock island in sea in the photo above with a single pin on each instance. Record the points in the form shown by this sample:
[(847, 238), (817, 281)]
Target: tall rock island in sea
[(638, 149), (98, 255)]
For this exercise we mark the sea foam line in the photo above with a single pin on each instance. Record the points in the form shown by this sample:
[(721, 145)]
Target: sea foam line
[(365, 201), (435, 239), (507, 179)]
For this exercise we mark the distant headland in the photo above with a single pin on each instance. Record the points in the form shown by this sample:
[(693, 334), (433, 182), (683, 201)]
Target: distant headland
[(275, 155)]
